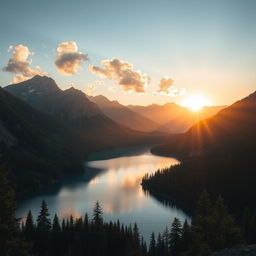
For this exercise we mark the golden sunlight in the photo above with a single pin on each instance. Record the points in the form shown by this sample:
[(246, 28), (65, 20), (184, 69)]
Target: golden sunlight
[(196, 102)]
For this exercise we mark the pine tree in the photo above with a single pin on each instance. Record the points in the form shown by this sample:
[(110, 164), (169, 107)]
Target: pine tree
[(225, 234), (186, 237), (29, 224), (202, 224), (43, 220), (175, 237), (136, 232), (166, 240), (152, 245), (63, 225), (10, 241), (56, 224), (86, 222), (71, 222), (204, 206), (97, 214), (160, 246)]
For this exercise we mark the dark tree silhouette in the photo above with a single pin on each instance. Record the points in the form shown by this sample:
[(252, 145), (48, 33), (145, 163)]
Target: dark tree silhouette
[(11, 244), (56, 224), (43, 220), (152, 245), (175, 237), (97, 214), (29, 224)]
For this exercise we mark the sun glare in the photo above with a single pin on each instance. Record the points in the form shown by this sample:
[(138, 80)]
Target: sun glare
[(196, 102)]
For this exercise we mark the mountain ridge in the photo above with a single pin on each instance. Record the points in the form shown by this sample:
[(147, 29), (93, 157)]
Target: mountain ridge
[(125, 116), (74, 108), (217, 154)]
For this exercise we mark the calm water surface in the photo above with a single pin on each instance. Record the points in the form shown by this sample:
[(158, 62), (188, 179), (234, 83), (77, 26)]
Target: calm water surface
[(113, 178)]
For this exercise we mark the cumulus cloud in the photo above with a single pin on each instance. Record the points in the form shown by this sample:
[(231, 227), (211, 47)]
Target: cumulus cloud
[(122, 72), (68, 59), (20, 65), (166, 87)]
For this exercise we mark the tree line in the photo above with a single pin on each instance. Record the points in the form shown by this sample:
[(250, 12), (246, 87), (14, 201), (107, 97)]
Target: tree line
[(212, 229)]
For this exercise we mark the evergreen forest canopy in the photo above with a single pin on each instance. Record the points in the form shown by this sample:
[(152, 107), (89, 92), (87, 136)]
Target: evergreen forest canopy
[(212, 229)]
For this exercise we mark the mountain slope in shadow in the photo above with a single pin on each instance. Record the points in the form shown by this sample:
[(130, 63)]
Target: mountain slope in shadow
[(218, 155), (73, 108), (34, 148)]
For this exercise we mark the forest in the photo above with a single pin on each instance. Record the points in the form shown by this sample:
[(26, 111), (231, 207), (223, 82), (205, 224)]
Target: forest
[(212, 229)]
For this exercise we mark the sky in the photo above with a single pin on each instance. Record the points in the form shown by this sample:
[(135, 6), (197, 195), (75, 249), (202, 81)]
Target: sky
[(137, 52)]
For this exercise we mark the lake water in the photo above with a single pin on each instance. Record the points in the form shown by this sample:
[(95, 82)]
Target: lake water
[(113, 178)]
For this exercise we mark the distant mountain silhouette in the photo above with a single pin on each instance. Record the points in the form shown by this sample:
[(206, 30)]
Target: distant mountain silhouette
[(72, 107), (232, 128), (123, 115), (174, 118)]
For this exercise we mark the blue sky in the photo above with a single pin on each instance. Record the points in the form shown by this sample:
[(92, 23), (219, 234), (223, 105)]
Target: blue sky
[(207, 47)]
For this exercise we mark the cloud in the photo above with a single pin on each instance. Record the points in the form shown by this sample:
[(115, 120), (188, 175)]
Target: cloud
[(166, 87), (68, 59), (122, 72), (20, 65)]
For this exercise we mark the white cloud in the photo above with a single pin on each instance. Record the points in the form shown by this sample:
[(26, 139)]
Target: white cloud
[(122, 72), (68, 59), (20, 65)]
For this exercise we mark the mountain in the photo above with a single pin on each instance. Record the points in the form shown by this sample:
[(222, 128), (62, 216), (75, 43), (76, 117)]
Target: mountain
[(233, 128), (174, 118), (34, 148), (73, 108), (218, 155), (125, 116)]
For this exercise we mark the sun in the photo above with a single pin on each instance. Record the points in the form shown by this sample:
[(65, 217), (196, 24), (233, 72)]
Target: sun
[(196, 102)]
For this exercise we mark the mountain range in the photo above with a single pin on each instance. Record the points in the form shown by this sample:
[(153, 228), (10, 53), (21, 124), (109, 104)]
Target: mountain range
[(233, 128), (73, 108), (174, 118), (217, 154), (124, 115), (46, 132)]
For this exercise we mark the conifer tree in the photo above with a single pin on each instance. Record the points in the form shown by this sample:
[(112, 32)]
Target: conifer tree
[(29, 224), (97, 214), (186, 236), (43, 220), (71, 222), (175, 237), (152, 245), (86, 222), (56, 224), (136, 232), (63, 225), (160, 246), (225, 234), (11, 244)]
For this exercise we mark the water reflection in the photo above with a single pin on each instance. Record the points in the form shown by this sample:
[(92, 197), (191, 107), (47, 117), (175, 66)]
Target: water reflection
[(119, 188), (115, 183)]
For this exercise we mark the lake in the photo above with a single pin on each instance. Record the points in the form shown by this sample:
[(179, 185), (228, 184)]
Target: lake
[(113, 178)]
